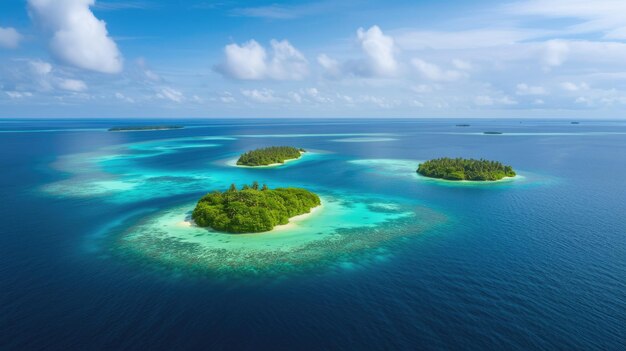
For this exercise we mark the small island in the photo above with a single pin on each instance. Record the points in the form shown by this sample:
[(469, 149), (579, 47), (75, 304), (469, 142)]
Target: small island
[(142, 128), (269, 156), (465, 169), (493, 133), (462, 125), (574, 122), (252, 209)]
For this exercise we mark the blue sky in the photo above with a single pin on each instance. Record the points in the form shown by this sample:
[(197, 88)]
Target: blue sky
[(526, 58)]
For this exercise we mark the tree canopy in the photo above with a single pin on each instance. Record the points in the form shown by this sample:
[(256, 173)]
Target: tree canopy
[(269, 155), (465, 169), (252, 210)]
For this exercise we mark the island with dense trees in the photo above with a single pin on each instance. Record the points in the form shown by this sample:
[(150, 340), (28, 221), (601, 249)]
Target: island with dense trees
[(142, 128), (252, 209), (267, 156), (465, 169)]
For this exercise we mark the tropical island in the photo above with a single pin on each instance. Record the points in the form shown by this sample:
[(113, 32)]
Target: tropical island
[(252, 209), (462, 125), (142, 128), (465, 169), (493, 133), (268, 156)]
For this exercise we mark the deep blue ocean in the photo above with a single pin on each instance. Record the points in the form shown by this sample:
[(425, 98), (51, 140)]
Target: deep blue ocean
[(538, 263)]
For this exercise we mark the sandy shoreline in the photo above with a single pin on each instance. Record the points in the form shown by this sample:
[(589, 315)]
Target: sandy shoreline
[(293, 221), (505, 179), (233, 162)]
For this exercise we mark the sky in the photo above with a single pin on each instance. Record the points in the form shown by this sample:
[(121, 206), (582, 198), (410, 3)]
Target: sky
[(460, 59)]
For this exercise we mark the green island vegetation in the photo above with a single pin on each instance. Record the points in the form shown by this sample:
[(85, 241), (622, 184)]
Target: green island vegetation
[(269, 155), (252, 209), (465, 169), (493, 133), (142, 128)]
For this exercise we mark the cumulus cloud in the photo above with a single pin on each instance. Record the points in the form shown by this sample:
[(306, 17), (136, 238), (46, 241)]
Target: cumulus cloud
[(378, 60), (77, 37), (433, 72), (9, 38), (250, 61), (379, 50), (46, 78)]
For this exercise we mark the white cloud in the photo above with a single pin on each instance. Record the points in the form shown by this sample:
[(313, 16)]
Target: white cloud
[(583, 100), (263, 96), (123, 97), (379, 59), (379, 101), (604, 16), (287, 63), (331, 66), (9, 38), (556, 52), (462, 65), (47, 78), (77, 38), (41, 67), (423, 88), (486, 100), (379, 50), (569, 86), (72, 85), (168, 93), (147, 73), (250, 61), (466, 39), (525, 89), (297, 98), (433, 72), (18, 94)]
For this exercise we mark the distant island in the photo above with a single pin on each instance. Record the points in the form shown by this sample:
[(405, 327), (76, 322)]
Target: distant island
[(574, 122), (269, 156), (465, 169), (462, 125), (493, 133), (252, 209), (142, 128)]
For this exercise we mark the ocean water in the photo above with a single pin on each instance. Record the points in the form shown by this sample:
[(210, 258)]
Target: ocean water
[(95, 252)]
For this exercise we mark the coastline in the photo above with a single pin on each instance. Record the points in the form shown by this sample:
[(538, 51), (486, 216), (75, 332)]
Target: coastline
[(233, 162), (188, 222), (293, 221), (503, 180)]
